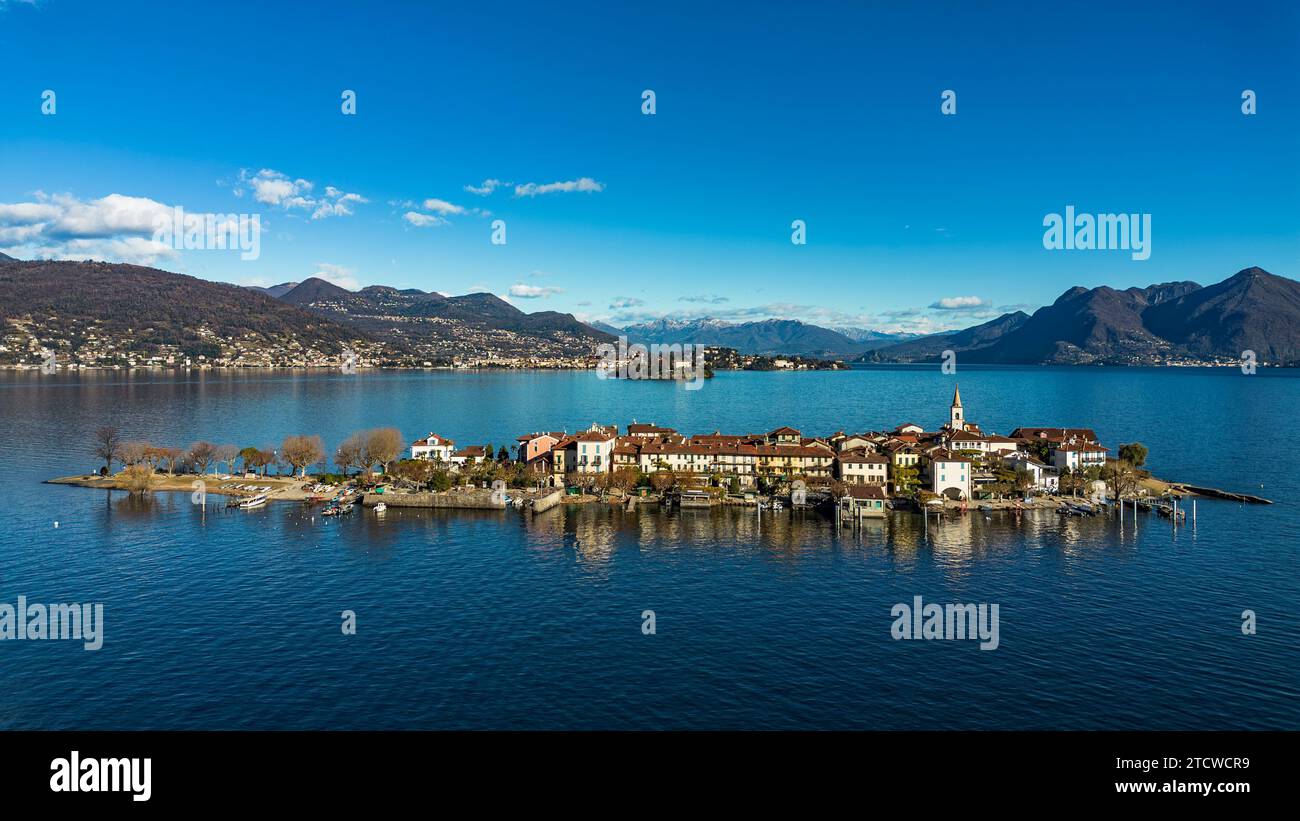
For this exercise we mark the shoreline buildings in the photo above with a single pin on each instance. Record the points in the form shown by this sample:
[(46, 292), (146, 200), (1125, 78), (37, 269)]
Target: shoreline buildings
[(958, 461)]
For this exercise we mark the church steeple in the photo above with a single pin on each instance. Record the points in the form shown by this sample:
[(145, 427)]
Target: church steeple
[(955, 420)]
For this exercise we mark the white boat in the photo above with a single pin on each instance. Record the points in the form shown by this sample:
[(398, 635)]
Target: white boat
[(380, 507), (256, 501)]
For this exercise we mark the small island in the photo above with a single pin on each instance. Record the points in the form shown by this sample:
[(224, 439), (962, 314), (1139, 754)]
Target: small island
[(857, 475)]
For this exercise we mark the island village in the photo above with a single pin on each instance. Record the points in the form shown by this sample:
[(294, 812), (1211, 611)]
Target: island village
[(862, 474), (869, 471)]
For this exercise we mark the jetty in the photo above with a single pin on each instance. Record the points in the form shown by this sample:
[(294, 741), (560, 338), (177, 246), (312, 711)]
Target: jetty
[(1215, 493)]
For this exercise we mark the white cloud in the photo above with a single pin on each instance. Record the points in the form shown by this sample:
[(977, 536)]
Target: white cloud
[(958, 303), (116, 228), (532, 291), (274, 188), (337, 274), (622, 302), (423, 220), (486, 188), (27, 213), (434, 212), (533, 189), (442, 206), (341, 207)]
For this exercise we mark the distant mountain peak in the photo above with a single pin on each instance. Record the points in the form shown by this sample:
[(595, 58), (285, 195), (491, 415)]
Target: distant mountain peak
[(1252, 310), (275, 291), (429, 319), (762, 336)]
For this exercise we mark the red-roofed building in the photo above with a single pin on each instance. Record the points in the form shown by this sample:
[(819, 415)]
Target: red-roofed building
[(949, 474), (434, 447), (864, 500), (858, 467)]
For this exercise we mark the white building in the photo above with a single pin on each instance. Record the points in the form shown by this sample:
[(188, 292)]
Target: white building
[(434, 447), (1046, 478), (949, 475), (594, 450), (860, 468), (472, 455), (1077, 456)]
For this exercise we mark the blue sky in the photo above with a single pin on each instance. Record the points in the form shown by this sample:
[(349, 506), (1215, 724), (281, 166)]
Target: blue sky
[(766, 113)]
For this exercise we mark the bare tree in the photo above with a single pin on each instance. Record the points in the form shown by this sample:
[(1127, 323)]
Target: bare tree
[(228, 454), (265, 458), (625, 478), (663, 480), (352, 453), (301, 451), (201, 454), (1121, 477), (107, 444), (384, 445), (133, 453), (170, 455)]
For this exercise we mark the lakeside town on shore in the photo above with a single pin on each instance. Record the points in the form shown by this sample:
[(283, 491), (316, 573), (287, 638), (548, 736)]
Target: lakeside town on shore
[(28, 346), (858, 474)]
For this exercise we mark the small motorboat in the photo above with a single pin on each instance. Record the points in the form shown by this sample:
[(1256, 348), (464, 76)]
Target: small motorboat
[(380, 507), (255, 501)]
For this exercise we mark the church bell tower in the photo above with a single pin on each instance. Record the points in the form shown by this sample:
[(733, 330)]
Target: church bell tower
[(955, 418)]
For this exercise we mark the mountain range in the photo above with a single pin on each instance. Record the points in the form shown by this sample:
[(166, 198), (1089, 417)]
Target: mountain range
[(769, 336), (1252, 310), (444, 324), (139, 310), (276, 291), (145, 308), (142, 309)]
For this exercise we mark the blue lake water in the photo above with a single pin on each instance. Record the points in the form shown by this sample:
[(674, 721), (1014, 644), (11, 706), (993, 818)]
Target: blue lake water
[(218, 619)]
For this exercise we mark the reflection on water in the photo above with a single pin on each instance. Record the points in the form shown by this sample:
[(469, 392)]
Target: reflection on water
[(224, 618), (594, 533)]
